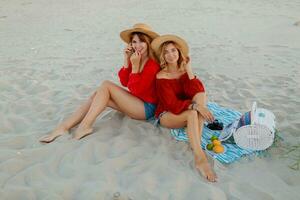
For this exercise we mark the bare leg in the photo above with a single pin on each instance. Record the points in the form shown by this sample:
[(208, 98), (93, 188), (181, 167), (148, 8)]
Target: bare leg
[(73, 120), (200, 99), (203, 164), (190, 118), (66, 125), (110, 92)]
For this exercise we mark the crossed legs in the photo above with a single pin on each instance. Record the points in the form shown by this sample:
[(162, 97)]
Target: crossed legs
[(194, 122)]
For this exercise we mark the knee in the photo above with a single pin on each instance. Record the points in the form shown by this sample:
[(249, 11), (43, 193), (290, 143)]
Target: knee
[(104, 85), (200, 118), (93, 96), (192, 114)]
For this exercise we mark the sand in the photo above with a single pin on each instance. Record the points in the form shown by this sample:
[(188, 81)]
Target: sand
[(53, 54)]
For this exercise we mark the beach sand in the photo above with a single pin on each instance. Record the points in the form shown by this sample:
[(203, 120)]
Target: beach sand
[(54, 54)]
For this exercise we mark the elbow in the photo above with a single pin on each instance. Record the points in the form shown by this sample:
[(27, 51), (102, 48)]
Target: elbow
[(134, 91), (124, 83)]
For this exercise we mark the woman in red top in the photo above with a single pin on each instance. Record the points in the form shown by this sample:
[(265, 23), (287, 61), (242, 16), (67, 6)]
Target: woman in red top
[(137, 74), (181, 96)]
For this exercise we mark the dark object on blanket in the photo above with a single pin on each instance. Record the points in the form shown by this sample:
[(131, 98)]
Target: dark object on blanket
[(215, 125)]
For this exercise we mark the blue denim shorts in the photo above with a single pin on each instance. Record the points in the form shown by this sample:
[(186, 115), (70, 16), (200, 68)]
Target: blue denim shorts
[(149, 110)]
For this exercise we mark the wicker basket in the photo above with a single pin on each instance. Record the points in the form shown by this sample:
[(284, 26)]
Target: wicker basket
[(255, 130)]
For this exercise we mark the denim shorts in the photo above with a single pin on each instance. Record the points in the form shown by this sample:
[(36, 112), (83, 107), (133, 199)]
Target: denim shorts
[(149, 110)]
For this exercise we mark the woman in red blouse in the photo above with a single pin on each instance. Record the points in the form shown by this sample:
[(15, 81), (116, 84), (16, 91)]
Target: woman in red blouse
[(181, 96), (137, 74)]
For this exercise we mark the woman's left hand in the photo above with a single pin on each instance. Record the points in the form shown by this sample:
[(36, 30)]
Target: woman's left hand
[(188, 67), (206, 114), (187, 64)]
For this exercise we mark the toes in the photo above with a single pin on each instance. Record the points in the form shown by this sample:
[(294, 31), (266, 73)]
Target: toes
[(46, 139), (81, 134), (77, 137), (207, 174), (42, 139), (51, 137), (211, 177)]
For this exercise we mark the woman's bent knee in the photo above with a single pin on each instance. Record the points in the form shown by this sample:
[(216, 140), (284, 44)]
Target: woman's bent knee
[(104, 85), (192, 114), (107, 83), (200, 118), (92, 96)]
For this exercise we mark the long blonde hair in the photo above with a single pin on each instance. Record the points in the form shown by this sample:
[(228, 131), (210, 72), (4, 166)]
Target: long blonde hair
[(145, 38), (181, 61)]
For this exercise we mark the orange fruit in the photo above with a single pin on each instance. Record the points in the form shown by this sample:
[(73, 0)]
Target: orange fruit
[(218, 149), (216, 142)]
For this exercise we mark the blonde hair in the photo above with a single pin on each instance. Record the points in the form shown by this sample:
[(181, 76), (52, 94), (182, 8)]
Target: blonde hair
[(181, 61), (145, 38)]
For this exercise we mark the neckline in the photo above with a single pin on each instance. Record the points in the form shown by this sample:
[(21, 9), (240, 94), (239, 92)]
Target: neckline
[(146, 62), (173, 78)]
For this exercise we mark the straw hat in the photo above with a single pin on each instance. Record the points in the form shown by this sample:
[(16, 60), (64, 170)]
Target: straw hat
[(157, 42), (141, 28)]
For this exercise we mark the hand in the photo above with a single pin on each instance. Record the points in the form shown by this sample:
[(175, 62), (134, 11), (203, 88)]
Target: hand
[(206, 114), (188, 68), (187, 64), (128, 51), (135, 61)]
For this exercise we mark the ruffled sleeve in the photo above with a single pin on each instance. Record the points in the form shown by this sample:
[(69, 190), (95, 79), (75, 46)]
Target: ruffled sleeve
[(124, 73), (191, 86)]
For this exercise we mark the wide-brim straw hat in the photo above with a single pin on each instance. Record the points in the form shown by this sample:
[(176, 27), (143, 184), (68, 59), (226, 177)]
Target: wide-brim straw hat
[(157, 43), (140, 28)]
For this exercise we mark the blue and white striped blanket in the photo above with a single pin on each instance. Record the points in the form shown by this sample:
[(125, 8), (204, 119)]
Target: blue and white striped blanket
[(225, 115)]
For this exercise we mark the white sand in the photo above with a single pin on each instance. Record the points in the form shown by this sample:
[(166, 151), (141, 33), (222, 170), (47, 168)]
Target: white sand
[(53, 54)]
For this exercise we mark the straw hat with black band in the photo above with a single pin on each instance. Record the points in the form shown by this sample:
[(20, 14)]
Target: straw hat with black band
[(140, 28), (157, 43)]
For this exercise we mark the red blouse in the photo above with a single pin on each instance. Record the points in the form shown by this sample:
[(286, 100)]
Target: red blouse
[(175, 95), (141, 85)]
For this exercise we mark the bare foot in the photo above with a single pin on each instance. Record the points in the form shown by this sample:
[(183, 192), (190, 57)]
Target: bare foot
[(82, 132), (52, 136), (205, 169)]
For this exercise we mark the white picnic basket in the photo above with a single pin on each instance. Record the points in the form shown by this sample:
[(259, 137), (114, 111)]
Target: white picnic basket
[(255, 130)]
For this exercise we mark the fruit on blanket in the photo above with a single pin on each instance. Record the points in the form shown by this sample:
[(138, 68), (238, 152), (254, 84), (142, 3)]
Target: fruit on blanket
[(213, 138), (218, 149), (210, 146), (216, 145), (216, 142)]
